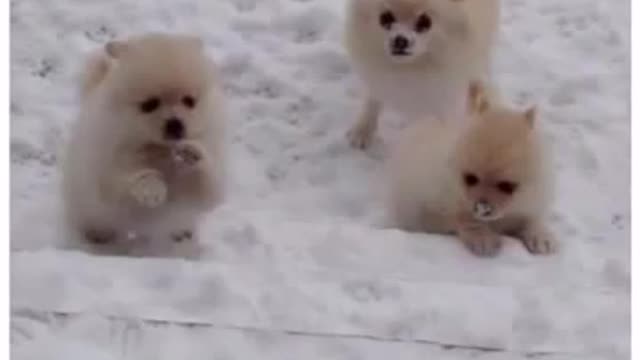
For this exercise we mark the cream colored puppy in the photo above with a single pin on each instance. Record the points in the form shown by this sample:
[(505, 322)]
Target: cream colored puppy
[(417, 56), (145, 158), (480, 180)]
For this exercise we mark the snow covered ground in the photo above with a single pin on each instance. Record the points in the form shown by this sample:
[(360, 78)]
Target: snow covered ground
[(298, 263)]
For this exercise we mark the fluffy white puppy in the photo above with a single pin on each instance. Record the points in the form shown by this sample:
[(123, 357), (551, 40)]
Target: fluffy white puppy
[(418, 56), (145, 157), (480, 179)]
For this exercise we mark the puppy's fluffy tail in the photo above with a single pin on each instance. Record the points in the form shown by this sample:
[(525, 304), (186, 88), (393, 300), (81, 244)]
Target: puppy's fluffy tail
[(95, 70)]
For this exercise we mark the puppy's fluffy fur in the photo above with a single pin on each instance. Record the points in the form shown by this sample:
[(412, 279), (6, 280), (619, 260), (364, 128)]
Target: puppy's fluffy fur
[(129, 173), (417, 56), (478, 179)]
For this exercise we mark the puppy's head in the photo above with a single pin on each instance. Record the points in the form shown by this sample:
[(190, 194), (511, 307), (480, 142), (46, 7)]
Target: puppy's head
[(406, 30), (497, 159), (160, 86)]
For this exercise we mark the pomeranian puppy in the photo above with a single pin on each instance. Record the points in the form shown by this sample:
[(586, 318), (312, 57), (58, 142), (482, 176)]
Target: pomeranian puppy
[(145, 156), (417, 56), (479, 179)]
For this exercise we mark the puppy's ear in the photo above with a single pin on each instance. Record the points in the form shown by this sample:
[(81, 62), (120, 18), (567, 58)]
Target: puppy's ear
[(477, 98), (115, 48), (530, 115)]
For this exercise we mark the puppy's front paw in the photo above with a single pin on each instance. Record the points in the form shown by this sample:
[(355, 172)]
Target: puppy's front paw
[(539, 241), (361, 135), (148, 189), (100, 236), (188, 154), (486, 244), (182, 236)]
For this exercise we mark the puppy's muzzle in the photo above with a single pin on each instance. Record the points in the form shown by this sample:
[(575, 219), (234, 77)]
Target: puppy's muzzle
[(174, 129), (483, 209), (399, 45)]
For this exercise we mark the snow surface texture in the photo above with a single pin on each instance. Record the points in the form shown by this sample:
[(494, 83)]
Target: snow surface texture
[(298, 263)]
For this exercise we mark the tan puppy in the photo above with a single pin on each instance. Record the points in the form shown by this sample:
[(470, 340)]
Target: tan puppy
[(479, 179), (145, 157), (417, 56)]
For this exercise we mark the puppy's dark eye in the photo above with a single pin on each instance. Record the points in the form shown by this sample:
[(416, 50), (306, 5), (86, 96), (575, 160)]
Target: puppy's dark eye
[(189, 101), (387, 19), (423, 23), (150, 105), (470, 179), (507, 187)]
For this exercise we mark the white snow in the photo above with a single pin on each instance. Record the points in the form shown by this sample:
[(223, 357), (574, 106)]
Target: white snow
[(298, 263)]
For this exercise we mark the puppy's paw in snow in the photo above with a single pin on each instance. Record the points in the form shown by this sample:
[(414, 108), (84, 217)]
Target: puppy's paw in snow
[(479, 238), (539, 241), (361, 135), (182, 236), (484, 245), (188, 154), (100, 236), (148, 189)]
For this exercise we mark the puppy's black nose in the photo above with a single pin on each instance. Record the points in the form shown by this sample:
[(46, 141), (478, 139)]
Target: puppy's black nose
[(174, 129), (400, 43)]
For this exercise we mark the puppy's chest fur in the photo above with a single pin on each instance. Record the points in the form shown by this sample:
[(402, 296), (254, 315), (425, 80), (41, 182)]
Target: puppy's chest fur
[(418, 93)]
